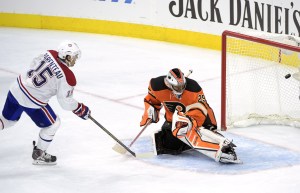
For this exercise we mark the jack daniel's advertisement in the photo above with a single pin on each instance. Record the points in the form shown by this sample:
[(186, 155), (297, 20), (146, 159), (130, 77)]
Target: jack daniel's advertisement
[(242, 13)]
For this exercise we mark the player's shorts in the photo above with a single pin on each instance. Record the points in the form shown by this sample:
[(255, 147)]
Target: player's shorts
[(43, 117)]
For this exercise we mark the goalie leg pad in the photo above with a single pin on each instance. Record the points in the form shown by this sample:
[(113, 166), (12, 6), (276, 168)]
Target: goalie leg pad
[(213, 145), (226, 152), (185, 130)]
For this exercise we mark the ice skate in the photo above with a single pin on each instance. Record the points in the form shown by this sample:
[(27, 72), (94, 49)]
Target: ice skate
[(40, 157), (227, 153)]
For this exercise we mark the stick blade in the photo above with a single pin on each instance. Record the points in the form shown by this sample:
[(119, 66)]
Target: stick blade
[(146, 155), (118, 148), (121, 150)]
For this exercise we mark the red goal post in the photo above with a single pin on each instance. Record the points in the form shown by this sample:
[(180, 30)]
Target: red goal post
[(254, 89)]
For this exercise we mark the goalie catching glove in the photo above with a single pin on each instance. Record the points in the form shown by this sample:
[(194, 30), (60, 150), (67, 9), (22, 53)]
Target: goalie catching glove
[(182, 124), (82, 111), (150, 113)]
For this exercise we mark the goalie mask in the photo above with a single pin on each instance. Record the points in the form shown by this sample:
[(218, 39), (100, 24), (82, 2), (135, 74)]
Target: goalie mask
[(176, 81), (69, 52)]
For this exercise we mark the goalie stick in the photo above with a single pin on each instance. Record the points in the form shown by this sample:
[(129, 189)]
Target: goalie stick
[(189, 73), (120, 149)]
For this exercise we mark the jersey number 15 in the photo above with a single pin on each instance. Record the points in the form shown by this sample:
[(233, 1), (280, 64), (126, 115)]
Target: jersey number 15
[(40, 74)]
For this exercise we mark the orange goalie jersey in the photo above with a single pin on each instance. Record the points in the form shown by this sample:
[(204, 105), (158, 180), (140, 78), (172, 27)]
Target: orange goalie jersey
[(160, 95)]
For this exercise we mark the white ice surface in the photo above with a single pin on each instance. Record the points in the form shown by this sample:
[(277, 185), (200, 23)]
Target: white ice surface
[(113, 76)]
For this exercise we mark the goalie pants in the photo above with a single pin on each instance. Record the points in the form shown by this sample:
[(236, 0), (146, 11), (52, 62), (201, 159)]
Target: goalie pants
[(168, 143)]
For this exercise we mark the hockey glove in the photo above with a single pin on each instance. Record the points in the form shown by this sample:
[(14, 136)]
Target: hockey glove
[(181, 124), (150, 113), (82, 111)]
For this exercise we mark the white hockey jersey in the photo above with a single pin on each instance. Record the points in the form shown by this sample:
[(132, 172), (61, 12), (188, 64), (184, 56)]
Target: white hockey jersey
[(47, 77)]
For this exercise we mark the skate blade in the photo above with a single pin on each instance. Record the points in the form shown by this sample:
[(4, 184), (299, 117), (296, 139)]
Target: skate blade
[(39, 162), (226, 161)]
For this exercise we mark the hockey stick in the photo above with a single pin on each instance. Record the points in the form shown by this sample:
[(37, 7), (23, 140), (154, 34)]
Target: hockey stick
[(120, 149), (189, 73), (112, 136)]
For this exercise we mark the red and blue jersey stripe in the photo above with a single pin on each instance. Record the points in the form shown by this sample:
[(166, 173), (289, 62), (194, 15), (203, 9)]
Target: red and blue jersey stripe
[(29, 95)]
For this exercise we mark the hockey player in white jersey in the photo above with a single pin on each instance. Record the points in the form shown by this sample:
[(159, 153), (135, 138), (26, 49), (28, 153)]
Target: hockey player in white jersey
[(48, 75)]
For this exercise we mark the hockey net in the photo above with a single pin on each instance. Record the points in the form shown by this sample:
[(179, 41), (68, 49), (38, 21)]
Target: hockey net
[(255, 89)]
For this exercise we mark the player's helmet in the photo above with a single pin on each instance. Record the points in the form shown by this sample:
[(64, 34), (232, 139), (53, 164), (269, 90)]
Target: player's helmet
[(68, 48), (176, 81)]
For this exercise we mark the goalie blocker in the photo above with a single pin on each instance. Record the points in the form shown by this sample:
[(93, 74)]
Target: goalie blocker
[(209, 143)]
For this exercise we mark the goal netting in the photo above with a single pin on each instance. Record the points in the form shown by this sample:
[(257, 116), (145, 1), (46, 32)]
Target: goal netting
[(255, 88)]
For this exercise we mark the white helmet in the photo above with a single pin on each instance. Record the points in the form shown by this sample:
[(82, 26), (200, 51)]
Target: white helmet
[(68, 48), (176, 81)]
